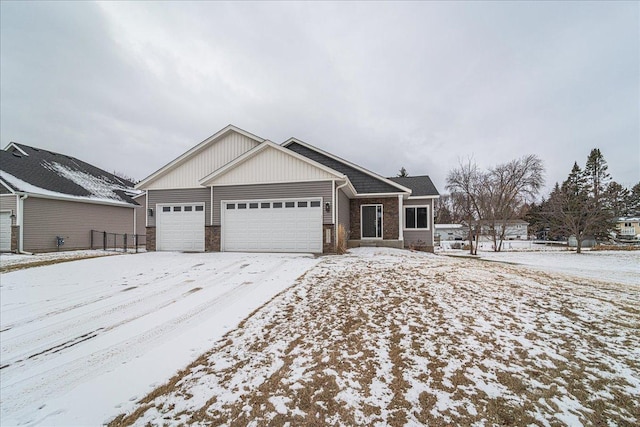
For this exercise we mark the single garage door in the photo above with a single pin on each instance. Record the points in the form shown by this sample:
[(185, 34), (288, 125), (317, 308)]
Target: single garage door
[(5, 231), (272, 225), (180, 227)]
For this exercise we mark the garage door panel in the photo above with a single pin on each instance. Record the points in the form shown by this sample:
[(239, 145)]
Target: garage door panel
[(291, 228), (178, 229)]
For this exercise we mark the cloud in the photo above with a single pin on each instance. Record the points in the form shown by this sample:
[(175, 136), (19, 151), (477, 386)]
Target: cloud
[(130, 86)]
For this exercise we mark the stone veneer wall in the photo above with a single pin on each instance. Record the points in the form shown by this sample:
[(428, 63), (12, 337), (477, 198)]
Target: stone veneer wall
[(212, 238), (151, 239), (330, 247), (389, 216)]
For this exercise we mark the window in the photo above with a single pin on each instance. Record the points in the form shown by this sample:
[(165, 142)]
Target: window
[(188, 208), (231, 206), (199, 208), (277, 205), (416, 217), (290, 204), (177, 208), (315, 204), (166, 209), (242, 206), (253, 206), (265, 205), (302, 204)]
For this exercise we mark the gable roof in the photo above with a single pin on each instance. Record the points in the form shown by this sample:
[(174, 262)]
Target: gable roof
[(420, 185), (318, 170), (363, 180), (195, 151), (25, 169)]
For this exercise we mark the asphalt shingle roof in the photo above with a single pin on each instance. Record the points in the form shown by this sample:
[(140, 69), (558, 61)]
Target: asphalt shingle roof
[(59, 173), (420, 185), (362, 182)]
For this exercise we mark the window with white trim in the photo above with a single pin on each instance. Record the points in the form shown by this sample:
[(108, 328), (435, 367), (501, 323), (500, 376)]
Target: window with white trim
[(416, 217)]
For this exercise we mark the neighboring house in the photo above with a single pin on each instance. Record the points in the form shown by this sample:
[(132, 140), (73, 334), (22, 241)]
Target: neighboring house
[(628, 228), (236, 191), (516, 229), (45, 195), (446, 232)]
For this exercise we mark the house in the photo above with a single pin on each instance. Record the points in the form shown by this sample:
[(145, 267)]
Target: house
[(516, 229), (236, 191), (46, 195), (628, 228), (446, 232)]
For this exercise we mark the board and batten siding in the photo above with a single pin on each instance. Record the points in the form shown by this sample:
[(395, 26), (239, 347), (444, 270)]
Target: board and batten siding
[(201, 164), (44, 219), (419, 237), (272, 166), (190, 195), (290, 190), (8, 202), (343, 211)]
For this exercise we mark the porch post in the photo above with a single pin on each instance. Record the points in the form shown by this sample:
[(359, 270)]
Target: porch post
[(400, 219)]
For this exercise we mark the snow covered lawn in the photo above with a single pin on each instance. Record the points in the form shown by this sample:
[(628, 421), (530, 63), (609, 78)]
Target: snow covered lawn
[(83, 340), (389, 337), (11, 262)]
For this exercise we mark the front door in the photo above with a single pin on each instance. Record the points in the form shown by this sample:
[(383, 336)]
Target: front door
[(371, 221)]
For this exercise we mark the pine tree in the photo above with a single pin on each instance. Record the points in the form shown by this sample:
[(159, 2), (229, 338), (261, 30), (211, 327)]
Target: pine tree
[(403, 173), (616, 198), (597, 179), (633, 201)]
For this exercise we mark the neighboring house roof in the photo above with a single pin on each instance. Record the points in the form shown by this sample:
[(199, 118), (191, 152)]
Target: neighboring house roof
[(449, 226), (508, 222), (420, 185), (628, 219), (363, 180), (35, 171)]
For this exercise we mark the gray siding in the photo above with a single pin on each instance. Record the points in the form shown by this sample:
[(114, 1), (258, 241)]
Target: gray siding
[(44, 219), (343, 211), (189, 195), (141, 214), (419, 237), (8, 203), (273, 191)]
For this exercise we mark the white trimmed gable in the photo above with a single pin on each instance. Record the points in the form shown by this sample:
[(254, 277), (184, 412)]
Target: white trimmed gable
[(270, 164), (188, 173)]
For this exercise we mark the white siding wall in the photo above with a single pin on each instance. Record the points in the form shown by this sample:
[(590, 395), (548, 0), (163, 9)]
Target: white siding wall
[(271, 166), (218, 154)]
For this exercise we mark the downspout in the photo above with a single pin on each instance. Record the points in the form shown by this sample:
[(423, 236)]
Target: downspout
[(400, 220), (20, 221), (336, 210)]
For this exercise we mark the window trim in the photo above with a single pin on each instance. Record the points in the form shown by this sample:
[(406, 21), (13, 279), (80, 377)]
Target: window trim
[(416, 228)]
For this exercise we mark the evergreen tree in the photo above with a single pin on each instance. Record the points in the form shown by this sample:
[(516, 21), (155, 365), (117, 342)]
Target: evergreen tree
[(616, 198), (633, 201), (403, 173), (597, 179)]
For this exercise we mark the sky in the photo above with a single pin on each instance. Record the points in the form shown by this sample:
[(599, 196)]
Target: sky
[(129, 87)]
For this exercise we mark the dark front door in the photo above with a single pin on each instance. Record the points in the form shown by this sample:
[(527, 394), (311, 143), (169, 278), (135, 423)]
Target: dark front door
[(371, 220)]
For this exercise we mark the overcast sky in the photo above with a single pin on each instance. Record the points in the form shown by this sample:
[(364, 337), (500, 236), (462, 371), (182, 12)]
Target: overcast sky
[(130, 86)]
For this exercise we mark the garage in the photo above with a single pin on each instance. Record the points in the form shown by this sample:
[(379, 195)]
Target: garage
[(5, 231), (180, 227), (291, 225)]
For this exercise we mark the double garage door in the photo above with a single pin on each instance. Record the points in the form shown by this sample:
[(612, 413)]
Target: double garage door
[(292, 225)]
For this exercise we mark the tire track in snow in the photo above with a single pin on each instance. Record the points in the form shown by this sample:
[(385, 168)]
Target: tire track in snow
[(64, 327), (56, 380)]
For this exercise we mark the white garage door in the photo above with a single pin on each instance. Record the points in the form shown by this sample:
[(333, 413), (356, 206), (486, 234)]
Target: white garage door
[(272, 225), (180, 227), (5, 231)]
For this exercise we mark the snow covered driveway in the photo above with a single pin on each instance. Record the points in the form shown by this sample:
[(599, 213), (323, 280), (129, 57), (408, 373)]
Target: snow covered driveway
[(83, 340), (389, 337)]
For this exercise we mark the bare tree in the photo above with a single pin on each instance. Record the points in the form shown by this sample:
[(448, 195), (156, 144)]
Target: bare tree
[(466, 185), (509, 187), (492, 199)]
